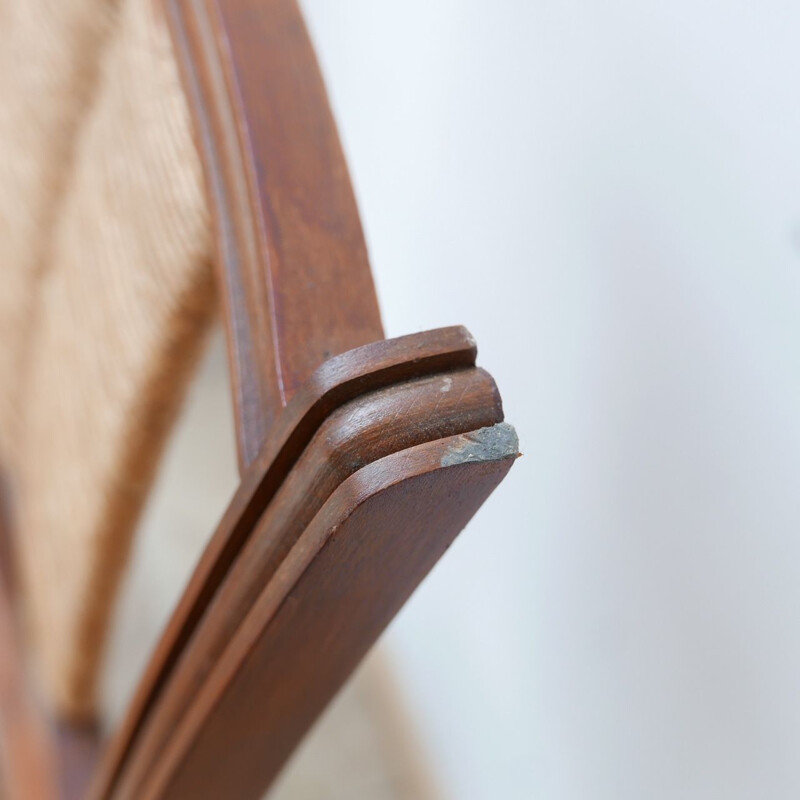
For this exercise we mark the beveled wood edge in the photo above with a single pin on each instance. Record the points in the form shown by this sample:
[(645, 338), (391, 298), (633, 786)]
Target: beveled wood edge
[(250, 351), (337, 381), (449, 462), (234, 233), (284, 213), (364, 430)]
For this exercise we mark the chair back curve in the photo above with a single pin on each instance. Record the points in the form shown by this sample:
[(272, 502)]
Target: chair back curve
[(162, 161)]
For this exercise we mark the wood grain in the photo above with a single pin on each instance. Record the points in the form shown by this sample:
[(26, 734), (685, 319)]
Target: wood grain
[(364, 430), (359, 458), (345, 578), (337, 381), (291, 253)]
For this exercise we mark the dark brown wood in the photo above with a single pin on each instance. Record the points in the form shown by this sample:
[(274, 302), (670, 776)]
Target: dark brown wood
[(291, 253), (337, 381), (285, 217), (364, 430), (343, 581), (356, 468)]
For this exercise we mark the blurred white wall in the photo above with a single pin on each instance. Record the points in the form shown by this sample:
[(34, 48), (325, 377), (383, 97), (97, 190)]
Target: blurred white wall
[(608, 196)]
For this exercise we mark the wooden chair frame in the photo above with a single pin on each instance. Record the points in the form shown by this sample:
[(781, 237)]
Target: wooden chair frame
[(361, 458)]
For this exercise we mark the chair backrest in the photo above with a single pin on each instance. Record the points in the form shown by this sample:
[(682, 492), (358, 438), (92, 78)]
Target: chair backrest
[(360, 458), (108, 288)]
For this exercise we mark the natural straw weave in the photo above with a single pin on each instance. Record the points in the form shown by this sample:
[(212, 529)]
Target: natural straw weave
[(49, 53), (109, 256)]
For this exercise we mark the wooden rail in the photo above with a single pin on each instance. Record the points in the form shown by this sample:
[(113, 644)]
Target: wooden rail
[(361, 458)]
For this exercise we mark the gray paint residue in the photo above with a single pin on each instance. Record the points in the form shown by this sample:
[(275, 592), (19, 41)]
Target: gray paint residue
[(486, 444)]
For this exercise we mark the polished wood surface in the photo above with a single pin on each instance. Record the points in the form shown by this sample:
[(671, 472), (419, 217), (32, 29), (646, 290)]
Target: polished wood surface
[(346, 577), (297, 290), (364, 430), (337, 381), (361, 458), (292, 259)]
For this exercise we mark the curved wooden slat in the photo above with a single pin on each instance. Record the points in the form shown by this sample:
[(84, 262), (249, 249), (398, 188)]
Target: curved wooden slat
[(336, 382), (346, 577), (364, 430), (297, 290), (293, 262), (254, 622)]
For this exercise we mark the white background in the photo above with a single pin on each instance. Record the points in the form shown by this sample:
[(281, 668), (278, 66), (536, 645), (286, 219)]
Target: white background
[(608, 196)]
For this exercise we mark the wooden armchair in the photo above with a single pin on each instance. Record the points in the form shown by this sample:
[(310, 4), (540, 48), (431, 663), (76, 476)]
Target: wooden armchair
[(361, 458)]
